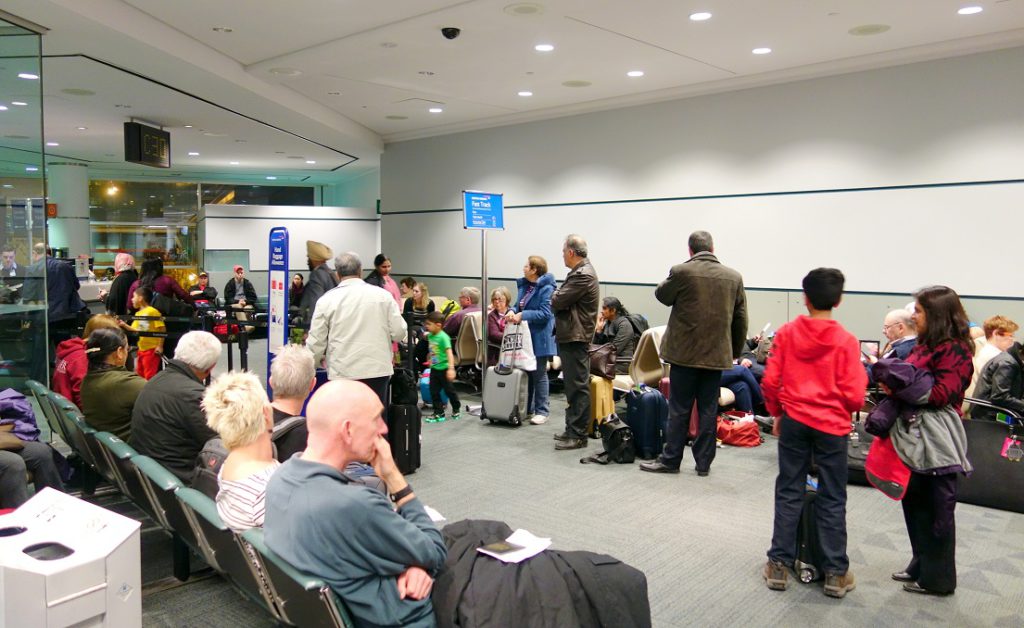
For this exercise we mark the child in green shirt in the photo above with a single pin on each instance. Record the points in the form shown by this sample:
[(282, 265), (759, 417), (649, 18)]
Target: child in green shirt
[(442, 368)]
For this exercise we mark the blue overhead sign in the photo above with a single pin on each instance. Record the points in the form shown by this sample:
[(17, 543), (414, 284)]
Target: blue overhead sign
[(483, 210)]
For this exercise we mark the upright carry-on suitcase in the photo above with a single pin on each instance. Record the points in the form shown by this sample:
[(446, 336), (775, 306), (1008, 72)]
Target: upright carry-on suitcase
[(404, 417), (647, 416), (602, 404), (404, 436), (808, 544), (505, 387)]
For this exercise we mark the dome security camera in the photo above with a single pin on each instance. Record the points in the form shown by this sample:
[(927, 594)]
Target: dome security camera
[(450, 32)]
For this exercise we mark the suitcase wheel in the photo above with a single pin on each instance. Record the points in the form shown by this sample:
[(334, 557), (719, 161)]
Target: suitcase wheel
[(515, 420), (808, 574)]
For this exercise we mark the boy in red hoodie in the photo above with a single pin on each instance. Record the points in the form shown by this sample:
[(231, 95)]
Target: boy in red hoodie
[(813, 382)]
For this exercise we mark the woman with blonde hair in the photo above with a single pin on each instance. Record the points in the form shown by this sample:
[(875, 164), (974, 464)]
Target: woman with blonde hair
[(237, 409)]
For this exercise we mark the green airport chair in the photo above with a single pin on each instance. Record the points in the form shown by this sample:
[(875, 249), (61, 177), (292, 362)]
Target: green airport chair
[(224, 550), (161, 485), (41, 395), (301, 599)]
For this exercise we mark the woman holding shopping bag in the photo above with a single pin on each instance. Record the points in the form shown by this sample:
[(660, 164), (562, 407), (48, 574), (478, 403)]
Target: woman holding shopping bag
[(929, 437), (533, 305)]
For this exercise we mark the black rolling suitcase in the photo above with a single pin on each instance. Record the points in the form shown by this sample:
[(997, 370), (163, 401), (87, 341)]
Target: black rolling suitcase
[(404, 436), (808, 544), (647, 416), (404, 417), (857, 454)]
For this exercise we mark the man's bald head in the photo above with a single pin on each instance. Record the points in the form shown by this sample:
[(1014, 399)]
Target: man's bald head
[(898, 323), (344, 422)]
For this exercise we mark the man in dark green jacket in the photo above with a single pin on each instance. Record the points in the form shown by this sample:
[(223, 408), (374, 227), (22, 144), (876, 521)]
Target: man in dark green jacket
[(706, 331), (575, 307)]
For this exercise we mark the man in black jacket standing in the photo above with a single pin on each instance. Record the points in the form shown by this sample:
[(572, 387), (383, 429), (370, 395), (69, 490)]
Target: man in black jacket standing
[(168, 423), (575, 307), (707, 329), (321, 278)]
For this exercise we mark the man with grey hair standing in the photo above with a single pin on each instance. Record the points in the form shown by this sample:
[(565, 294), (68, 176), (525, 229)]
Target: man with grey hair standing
[(168, 423), (469, 301), (707, 330), (575, 305), (353, 327)]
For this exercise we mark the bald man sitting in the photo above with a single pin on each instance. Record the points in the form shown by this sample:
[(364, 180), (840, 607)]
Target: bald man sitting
[(377, 555), (901, 333)]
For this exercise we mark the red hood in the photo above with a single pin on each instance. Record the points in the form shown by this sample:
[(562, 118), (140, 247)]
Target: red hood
[(814, 338), (69, 347)]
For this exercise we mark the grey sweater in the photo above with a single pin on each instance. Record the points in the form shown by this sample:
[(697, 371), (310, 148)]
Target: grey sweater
[(349, 535)]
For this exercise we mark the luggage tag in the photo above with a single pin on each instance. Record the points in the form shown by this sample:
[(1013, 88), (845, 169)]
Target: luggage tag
[(1012, 449)]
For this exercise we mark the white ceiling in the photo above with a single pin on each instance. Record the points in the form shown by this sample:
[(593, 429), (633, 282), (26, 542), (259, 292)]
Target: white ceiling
[(358, 73)]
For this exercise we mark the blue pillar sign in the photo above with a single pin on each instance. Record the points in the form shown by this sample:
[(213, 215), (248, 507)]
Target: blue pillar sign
[(277, 303), (483, 210)]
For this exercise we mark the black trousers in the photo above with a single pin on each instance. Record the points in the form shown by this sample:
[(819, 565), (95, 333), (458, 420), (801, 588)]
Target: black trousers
[(797, 444), (576, 376), (381, 386), (929, 510), (689, 384), (438, 382)]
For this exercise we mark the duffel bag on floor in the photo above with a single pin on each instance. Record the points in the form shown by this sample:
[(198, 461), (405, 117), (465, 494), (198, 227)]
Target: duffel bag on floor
[(738, 433)]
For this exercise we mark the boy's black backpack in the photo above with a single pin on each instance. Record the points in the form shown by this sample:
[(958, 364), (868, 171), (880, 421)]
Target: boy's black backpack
[(214, 453), (639, 323)]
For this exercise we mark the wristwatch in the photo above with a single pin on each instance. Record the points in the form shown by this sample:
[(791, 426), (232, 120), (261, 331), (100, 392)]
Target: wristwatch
[(402, 494)]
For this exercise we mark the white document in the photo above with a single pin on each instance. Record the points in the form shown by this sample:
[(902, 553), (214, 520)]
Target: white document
[(531, 546), (433, 514)]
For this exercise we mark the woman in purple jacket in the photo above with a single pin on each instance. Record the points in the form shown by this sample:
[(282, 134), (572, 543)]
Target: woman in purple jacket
[(533, 305), (153, 276)]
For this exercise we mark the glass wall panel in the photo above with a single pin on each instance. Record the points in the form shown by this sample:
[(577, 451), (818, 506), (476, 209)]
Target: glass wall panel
[(25, 347)]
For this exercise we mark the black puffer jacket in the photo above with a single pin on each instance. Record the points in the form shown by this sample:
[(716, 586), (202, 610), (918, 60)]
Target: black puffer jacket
[(1001, 382)]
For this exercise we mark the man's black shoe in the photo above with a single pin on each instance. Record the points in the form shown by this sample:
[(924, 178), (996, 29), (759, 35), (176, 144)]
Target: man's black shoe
[(765, 422), (563, 436), (656, 466), (902, 576), (702, 474), (571, 443), (914, 587)]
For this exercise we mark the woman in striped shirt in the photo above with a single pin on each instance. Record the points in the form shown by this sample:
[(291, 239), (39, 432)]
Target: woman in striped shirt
[(237, 408)]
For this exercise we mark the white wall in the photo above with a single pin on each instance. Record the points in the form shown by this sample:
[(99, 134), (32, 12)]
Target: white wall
[(248, 227), (764, 155)]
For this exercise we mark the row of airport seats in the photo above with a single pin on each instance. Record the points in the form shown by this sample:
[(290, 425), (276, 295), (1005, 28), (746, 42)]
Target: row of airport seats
[(647, 367), (191, 518)]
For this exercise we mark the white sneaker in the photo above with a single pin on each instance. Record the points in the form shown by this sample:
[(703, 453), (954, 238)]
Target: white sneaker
[(539, 419)]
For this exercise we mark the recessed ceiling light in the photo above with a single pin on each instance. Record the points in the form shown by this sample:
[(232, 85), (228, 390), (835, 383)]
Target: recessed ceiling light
[(334, 93), (241, 141), (525, 94), (52, 144), (435, 110), (278, 152), (285, 71), (425, 73), (576, 83), (31, 169), (970, 10), (193, 154), (82, 128), (869, 29), (397, 117), (543, 47), (295, 157), (761, 51), (3, 108), (188, 126), (223, 29), (271, 178), (310, 161), (8, 185), (524, 8), (635, 73), (212, 134), (388, 44), (700, 16), (18, 103), (28, 76), (77, 91), (233, 163)]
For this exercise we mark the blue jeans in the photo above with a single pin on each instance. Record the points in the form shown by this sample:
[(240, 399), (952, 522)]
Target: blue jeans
[(538, 388), (741, 381), (797, 444)]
